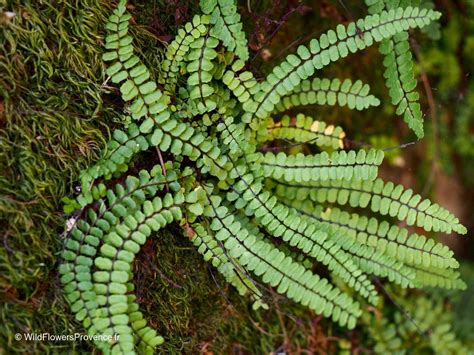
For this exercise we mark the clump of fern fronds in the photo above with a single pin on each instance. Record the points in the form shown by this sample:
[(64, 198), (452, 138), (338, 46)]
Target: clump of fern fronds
[(235, 202)]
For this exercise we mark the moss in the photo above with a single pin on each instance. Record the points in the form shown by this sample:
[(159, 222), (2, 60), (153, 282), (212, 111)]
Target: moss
[(191, 305), (51, 121)]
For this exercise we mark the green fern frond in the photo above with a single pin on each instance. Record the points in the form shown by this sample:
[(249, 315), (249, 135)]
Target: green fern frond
[(340, 165), (110, 241), (119, 152), (200, 67), (279, 270), (429, 327), (401, 81), (435, 277), (127, 68), (303, 129), (329, 92), (282, 222), (330, 47), (243, 85), (178, 49), (394, 242), (383, 198), (227, 25), (399, 74), (215, 252)]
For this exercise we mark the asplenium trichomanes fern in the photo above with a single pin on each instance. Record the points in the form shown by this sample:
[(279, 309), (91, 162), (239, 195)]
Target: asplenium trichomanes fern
[(247, 212)]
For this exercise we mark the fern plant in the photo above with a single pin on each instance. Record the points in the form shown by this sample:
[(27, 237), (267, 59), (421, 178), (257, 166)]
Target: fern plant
[(430, 327), (270, 214), (399, 75)]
